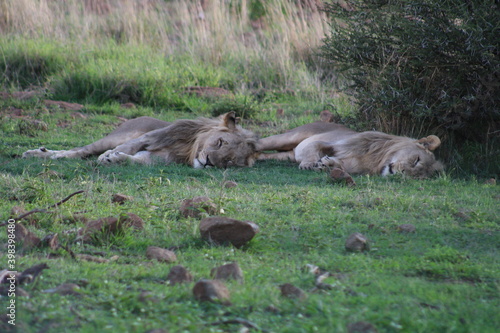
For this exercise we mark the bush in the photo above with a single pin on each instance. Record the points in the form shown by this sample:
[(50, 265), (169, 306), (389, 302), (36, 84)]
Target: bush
[(420, 66)]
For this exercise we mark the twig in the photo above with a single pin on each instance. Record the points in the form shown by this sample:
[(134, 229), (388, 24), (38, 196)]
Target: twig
[(42, 210)]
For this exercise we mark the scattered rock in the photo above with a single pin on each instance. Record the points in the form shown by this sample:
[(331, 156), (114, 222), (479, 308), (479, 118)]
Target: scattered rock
[(230, 184), (6, 290), (357, 243), (64, 289), (179, 274), (87, 257), (130, 220), (162, 255), (326, 116), (17, 211), (95, 228), (290, 291), (128, 105), (26, 237), (361, 327), (51, 240), (407, 228), (221, 230), (197, 206), (121, 198), (30, 274), (64, 105), (338, 175), (78, 115), (230, 271), (211, 290)]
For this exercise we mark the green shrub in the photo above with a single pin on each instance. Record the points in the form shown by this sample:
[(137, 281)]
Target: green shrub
[(244, 106), (420, 66)]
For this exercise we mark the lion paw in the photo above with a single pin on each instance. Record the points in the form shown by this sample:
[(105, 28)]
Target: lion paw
[(316, 166), (329, 161), (41, 152), (110, 157)]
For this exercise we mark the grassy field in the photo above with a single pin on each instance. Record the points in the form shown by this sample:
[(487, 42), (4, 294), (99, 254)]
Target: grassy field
[(444, 277)]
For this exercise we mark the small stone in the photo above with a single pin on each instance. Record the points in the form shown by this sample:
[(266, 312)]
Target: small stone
[(290, 291), (162, 255), (179, 274), (51, 240), (230, 184), (230, 271), (357, 243), (197, 206), (94, 228), (407, 228), (361, 327), (211, 290), (64, 289), (130, 220), (121, 198), (87, 257), (221, 230), (28, 239), (338, 175)]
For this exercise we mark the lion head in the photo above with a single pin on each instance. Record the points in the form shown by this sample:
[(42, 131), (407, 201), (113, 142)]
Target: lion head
[(226, 145), (414, 158), (206, 142)]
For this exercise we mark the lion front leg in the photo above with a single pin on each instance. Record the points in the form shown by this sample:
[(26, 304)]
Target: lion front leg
[(42, 152)]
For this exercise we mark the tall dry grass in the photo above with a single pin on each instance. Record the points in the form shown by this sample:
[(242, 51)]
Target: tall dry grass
[(277, 40)]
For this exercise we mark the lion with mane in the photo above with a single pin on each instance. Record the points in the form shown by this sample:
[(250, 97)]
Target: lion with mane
[(320, 145), (200, 143)]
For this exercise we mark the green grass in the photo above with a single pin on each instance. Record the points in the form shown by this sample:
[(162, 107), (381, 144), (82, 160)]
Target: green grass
[(445, 277)]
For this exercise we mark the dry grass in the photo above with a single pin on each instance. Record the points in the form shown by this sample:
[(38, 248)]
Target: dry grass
[(280, 34)]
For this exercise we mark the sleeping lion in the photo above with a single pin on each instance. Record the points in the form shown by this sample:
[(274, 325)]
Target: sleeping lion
[(200, 143), (320, 145)]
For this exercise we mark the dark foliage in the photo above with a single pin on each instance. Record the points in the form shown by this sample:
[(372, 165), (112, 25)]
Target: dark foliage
[(420, 66)]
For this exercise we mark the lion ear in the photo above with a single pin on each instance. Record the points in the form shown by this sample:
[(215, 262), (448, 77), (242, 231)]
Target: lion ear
[(431, 142), (229, 120)]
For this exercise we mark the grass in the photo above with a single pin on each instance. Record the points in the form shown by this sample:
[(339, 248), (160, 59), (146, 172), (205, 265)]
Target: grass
[(444, 277)]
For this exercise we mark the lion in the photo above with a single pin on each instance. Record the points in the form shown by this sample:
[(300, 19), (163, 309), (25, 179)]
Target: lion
[(321, 145), (200, 143)]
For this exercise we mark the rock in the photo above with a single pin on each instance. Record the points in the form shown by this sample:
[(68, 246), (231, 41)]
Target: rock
[(87, 257), (64, 105), (406, 228), (6, 290), (64, 289), (361, 327), (179, 274), (357, 243), (128, 105), (211, 290), (51, 240), (162, 255), (290, 291), (26, 237), (221, 230), (78, 115), (230, 184), (230, 271), (94, 228), (121, 198), (196, 206), (130, 220), (338, 175)]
